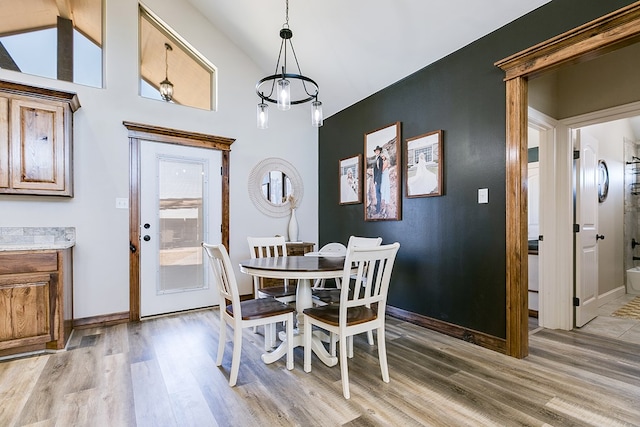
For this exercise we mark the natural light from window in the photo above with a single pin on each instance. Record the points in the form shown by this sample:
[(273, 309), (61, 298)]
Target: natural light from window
[(30, 41)]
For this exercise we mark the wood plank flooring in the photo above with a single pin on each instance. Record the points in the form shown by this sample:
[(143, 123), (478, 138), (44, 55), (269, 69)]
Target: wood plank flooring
[(162, 372)]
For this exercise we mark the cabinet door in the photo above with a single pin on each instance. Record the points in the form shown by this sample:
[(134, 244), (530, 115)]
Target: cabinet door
[(25, 318), (4, 142), (37, 145)]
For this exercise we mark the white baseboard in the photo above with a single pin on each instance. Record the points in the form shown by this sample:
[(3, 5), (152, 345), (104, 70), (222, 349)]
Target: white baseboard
[(611, 295)]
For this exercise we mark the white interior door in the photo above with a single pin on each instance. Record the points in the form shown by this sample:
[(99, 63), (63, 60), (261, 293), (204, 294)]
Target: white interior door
[(180, 207), (587, 217)]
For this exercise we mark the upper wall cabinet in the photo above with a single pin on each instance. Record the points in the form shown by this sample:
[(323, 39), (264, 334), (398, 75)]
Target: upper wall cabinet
[(36, 131)]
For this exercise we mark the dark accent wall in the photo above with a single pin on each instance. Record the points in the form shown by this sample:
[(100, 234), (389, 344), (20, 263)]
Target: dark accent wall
[(451, 263)]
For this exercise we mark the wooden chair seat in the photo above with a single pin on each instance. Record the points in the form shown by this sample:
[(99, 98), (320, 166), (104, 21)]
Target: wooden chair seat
[(261, 308), (330, 314), (279, 292), (326, 295)]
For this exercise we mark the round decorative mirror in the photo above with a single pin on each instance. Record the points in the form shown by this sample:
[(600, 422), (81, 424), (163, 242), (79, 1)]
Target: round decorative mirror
[(272, 184), (603, 181)]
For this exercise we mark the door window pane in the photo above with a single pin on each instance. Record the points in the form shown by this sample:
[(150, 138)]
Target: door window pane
[(181, 193)]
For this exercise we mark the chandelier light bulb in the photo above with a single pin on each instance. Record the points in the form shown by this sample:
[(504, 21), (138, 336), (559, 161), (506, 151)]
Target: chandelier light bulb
[(316, 114), (263, 116), (284, 95)]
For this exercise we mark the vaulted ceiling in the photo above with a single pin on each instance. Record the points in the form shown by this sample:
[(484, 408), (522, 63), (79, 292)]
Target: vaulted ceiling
[(354, 48), (26, 15)]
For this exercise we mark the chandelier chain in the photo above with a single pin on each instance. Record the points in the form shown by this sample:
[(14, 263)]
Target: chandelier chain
[(287, 14)]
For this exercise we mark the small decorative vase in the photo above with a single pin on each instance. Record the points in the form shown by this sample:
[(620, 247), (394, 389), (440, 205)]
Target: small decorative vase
[(293, 227)]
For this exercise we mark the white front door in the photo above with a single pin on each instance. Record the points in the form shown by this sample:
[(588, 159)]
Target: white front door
[(180, 207), (587, 218)]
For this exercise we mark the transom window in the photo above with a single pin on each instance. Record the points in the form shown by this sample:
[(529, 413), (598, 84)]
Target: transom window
[(56, 39), (190, 73)]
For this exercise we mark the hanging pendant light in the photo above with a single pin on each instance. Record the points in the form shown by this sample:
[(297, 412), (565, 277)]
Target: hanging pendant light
[(263, 115), (316, 113), (166, 87), (290, 88)]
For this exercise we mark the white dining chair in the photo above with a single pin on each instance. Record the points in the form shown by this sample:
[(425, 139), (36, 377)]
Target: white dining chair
[(361, 242), (361, 308), (332, 296), (243, 314), (262, 247), (333, 249), (274, 247)]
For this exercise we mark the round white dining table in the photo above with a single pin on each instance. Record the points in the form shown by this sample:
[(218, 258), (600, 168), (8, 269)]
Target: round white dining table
[(305, 269)]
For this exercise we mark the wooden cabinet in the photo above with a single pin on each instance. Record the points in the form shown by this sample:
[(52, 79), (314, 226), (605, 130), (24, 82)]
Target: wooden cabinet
[(298, 249), (36, 131), (35, 300)]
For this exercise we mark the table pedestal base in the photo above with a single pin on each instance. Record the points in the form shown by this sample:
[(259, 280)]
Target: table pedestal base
[(303, 300), (298, 341)]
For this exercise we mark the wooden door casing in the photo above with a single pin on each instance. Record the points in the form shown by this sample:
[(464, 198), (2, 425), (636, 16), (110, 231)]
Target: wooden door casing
[(138, 132), (596, 38)]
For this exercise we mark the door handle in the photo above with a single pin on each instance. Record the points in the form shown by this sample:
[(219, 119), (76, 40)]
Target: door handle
[(599, 237), (132, 247)]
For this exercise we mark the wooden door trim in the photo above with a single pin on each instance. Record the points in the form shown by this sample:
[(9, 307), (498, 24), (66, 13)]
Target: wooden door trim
[(137, 133), (605, 34)]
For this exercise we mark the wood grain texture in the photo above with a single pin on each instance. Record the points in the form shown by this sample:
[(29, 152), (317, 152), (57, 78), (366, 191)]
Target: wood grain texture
[(36, 140), (595, 38), (516, 199), (161, 372)]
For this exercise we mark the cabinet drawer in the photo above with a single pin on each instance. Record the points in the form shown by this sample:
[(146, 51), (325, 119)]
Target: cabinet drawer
[(14, 263)]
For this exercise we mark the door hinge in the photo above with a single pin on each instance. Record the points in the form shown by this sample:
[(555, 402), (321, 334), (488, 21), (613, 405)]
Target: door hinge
[(576, 302), (576, 155), (220, 170), (576, 228), (540, 238)]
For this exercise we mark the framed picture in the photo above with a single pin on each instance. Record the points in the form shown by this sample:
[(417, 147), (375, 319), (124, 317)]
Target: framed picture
[(382, 174), (349, 175), (424, 165)]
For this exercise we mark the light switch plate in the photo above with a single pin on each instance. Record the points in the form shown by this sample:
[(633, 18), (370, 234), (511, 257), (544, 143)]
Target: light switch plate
[(483, 195), (122, 203)]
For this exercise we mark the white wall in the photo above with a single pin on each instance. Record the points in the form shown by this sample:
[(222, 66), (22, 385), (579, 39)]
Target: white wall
[(101, 153)]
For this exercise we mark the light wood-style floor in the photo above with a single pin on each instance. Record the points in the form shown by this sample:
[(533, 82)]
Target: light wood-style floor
[(161, 372)]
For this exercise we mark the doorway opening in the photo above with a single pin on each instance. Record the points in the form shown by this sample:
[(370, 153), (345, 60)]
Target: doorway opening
[(615, 30)]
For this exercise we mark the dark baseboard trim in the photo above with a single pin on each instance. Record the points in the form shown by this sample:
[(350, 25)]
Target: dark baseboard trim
[(469, 335), (104, 320)]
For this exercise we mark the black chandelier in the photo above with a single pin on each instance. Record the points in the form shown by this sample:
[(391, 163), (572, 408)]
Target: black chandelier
[(305, 89)]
